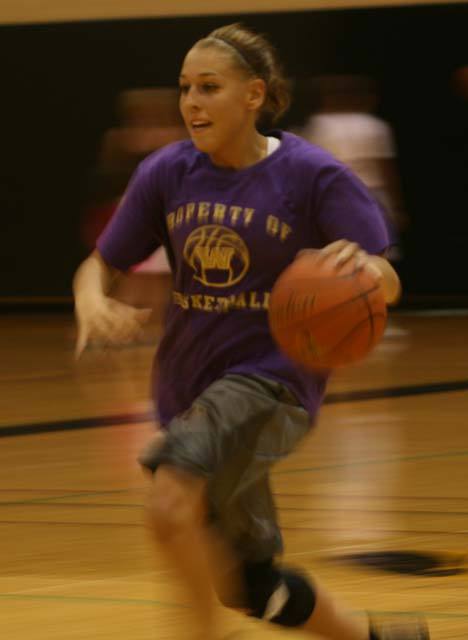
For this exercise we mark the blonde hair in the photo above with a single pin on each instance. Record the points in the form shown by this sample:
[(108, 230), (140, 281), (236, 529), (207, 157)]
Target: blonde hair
[(255, 55)]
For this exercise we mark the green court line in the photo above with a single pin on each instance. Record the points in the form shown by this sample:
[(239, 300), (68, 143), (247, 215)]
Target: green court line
[(359, 463), (430, 615), (441, 615), (329, 467)]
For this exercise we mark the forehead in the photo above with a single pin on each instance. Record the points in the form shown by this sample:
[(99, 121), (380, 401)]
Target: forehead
[(202, 60)]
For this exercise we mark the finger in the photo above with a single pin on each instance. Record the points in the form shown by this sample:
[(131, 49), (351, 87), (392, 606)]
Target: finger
[(334, 247), (361, 259), (81, 341), (348, 252), (373, 271), (332, 251)]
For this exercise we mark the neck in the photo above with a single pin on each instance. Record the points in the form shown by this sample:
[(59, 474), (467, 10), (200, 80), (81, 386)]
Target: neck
[(244, 152)]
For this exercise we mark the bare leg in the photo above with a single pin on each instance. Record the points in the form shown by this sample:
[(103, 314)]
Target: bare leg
[(177, 513), (330, 620)]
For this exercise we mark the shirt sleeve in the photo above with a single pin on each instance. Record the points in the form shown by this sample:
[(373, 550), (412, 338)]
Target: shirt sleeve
[(346, 210), (135, 230)]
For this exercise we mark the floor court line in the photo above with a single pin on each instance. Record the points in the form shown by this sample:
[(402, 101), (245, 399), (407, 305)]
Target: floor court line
[(111, 505), (136, 418), (360, 463), (72, 491), (65, 523), (141, 602), (355, 463), (280, 494), (82, 583)]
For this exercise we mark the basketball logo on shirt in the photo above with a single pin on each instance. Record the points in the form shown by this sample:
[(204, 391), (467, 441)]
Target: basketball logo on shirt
[(218, 256)]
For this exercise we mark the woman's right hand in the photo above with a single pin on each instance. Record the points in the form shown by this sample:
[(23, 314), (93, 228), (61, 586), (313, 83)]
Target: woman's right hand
[(103, 321)]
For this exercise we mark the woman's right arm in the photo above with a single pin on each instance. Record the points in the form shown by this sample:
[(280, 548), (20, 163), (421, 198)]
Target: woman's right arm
[(135, 231), (100, 318)]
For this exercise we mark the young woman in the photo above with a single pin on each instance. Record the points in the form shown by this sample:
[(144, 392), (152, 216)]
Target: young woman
[(233, 208)]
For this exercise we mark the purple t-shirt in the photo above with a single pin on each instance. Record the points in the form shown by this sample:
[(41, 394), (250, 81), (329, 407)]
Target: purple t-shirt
[(228, 235)]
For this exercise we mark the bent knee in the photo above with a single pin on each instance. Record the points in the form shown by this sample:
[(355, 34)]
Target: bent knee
[(176, 502)]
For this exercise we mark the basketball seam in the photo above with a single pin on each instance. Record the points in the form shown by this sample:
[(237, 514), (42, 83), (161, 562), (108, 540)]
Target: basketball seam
[(361, 294), (370, 316), (350, 333)]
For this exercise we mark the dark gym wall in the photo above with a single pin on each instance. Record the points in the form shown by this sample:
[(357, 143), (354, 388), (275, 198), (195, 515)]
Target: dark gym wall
[(60, 82)]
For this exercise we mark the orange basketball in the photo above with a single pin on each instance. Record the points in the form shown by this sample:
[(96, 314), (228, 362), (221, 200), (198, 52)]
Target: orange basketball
[(324, 317)]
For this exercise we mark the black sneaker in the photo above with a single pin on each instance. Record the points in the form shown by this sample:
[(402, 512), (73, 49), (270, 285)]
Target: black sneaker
[(409, 630)]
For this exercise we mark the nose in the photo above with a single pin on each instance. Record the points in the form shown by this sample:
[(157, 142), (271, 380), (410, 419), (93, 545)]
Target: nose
[(190, 99)]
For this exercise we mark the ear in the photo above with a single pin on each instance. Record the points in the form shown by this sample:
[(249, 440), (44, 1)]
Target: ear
[(256, 94)]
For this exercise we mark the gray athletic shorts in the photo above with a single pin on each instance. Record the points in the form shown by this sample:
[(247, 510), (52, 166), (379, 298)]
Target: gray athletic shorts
[(232, 435)]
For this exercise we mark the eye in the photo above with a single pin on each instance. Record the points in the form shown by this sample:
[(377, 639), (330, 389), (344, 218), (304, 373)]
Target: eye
[(209, 87), (184, 89)]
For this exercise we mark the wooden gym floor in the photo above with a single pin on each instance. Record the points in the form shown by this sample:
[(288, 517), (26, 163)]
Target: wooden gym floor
[(384, 472)]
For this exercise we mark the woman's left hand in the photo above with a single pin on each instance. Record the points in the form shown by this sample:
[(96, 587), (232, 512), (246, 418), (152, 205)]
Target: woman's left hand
[(378, 267), (345, 251)]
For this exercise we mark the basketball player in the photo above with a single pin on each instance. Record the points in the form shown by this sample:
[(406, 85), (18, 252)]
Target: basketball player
[(346, 126), (233, 208)]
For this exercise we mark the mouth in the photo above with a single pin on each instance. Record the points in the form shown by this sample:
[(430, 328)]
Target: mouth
[(199, 126)]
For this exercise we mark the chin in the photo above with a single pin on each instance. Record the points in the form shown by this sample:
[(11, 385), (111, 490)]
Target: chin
[(199, 145), (204, 145)]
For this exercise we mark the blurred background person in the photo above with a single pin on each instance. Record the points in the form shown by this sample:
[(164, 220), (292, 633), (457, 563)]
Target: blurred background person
[(149, 119), (346, 126)]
